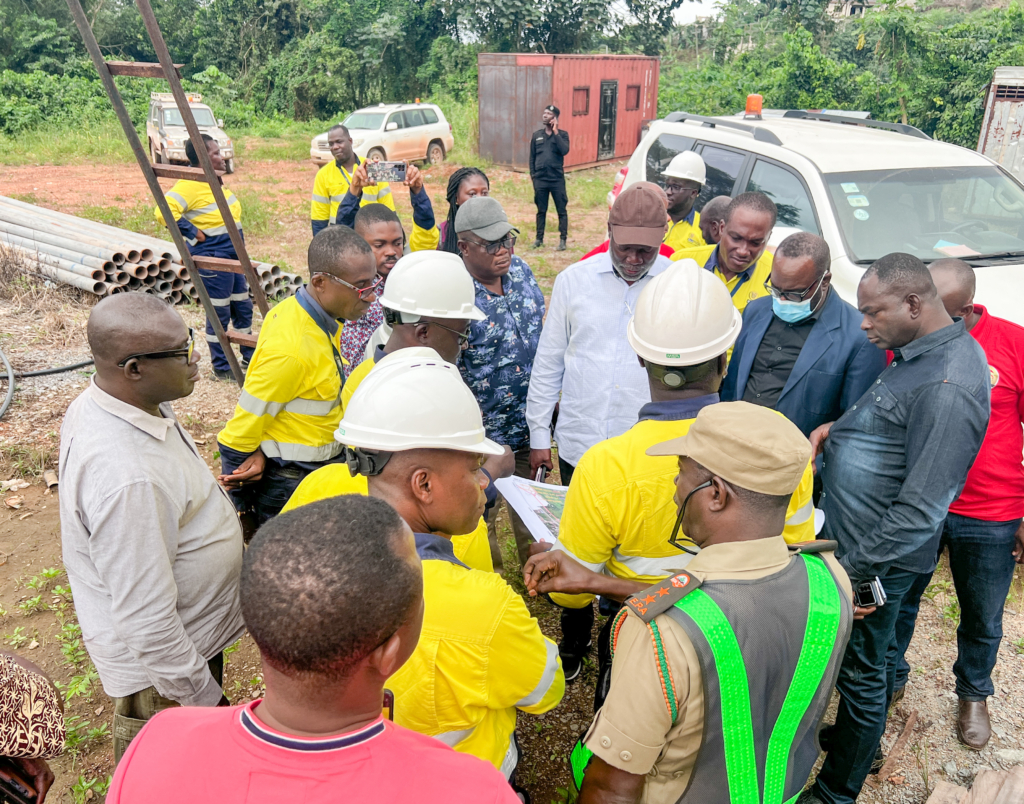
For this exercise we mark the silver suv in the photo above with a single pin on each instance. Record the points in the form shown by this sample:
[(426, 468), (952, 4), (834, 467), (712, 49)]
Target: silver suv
[(869, 188), (167, 134), (409, 131)]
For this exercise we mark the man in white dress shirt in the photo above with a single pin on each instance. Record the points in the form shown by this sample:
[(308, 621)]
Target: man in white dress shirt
[(583, 358)]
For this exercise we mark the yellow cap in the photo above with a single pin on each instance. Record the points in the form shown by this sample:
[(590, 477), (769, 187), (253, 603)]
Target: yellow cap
[(750, 446)]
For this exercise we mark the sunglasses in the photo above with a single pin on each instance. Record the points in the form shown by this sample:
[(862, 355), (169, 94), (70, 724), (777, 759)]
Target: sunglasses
[(363, 292), (494, 247), (185, 352), (794, 295), (462, 336)]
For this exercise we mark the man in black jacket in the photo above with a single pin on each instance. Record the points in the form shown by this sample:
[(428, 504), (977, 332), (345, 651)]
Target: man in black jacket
[(548, 148)]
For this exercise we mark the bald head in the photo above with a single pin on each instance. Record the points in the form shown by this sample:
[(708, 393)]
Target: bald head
[(955, 282), (130, 323)]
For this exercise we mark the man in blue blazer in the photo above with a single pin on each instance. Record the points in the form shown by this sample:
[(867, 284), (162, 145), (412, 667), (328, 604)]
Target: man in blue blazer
[(801, 350)]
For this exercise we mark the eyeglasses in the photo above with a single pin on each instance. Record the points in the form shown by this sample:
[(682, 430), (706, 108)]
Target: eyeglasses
[(462, 336), (186, 352), (672, 189), (494, 247), (363, 292), (794, 295)]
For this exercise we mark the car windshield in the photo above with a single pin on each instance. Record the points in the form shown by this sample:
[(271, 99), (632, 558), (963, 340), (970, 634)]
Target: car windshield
[(204, 117), (365, 120), (966, 212)]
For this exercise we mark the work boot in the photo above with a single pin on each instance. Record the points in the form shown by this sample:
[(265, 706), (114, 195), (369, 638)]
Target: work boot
[(879, 761), (897, 696), (561, 244), (972, 724), (224, 374), (538, 243), (572, 659), (808, 797)]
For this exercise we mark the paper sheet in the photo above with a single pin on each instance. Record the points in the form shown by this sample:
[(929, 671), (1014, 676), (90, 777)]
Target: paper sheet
[(539, 505)]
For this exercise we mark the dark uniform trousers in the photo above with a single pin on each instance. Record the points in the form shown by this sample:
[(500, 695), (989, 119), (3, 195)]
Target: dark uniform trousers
[(541, 191)]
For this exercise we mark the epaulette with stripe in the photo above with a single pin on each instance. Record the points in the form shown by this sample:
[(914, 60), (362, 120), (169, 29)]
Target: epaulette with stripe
[(658, 599)]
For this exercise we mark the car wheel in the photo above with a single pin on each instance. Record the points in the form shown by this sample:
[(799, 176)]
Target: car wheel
[(376, 155), (229, 166), (157, 158), (435, 153)]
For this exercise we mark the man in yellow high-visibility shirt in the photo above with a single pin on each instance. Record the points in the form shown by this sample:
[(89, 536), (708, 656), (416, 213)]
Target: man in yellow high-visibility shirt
[(740, 259), (415, 430), (684, 178), (618, 512), (283, 425), (334, 179)]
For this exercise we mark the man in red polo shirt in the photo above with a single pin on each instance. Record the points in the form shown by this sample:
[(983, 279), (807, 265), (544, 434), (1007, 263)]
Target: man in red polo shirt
[(983, 531), (332, 593)]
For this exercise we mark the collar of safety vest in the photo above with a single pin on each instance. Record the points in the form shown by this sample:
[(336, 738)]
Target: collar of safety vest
[(317, 311), (758, 554), (675, 410), (430, 546), (256, 729), (712, 264), (689, 218), (355, 164)]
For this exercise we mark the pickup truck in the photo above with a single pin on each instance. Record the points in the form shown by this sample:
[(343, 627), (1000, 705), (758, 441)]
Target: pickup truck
[(166, 133)]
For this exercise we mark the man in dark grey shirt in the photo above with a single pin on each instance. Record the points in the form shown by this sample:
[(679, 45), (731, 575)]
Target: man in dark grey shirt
[(892, 465)]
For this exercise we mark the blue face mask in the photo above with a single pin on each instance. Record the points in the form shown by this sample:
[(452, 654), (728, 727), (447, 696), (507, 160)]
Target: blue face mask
[(791, 312)]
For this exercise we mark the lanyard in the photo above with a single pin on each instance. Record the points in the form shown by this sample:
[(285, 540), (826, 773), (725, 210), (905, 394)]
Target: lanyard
[(305, 305)]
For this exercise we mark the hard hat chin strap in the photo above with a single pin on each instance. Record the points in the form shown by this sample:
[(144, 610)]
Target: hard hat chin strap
[(675, 377), (368, 463), (395, 318)]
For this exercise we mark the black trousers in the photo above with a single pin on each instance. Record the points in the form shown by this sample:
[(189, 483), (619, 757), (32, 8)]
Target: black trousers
[(561, 199)]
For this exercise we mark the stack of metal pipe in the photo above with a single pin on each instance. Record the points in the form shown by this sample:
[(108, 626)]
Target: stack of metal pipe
[(102, 259)]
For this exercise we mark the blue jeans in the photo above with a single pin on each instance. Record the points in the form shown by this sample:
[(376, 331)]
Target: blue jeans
[(864, 686), (982, 564)]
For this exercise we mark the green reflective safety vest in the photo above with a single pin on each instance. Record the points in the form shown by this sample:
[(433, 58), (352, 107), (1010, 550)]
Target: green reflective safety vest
[(769, 660)]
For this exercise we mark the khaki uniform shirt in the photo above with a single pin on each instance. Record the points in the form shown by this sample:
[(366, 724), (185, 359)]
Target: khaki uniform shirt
[(634, 730)]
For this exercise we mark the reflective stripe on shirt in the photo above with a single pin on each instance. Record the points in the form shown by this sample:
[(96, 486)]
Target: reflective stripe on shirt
[(546, 679), (305, 407), (300, 452)]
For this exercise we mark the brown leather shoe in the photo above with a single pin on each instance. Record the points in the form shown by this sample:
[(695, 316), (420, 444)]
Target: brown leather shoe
[(972, 724)]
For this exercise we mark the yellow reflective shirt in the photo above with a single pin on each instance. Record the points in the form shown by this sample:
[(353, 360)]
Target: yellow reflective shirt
[(194, 201), (743, 287), (357, 376), (685, 233), (290, 404), (480, 658), (335, 479), (619, 510), (331, 184)]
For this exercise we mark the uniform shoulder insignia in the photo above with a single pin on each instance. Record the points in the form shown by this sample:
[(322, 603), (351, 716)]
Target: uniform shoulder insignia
[(658, 599), (816, 546)]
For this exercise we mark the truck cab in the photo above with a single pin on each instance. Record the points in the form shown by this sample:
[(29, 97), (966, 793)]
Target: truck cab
[(166, 132)]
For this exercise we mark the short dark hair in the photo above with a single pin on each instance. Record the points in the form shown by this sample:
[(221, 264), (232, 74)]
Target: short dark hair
[(805, 244), (374, 213), (758, 202), (766, 504), (190, 150), (322, 585), (962, 272), (715, 208), (337, 126), (902, 274), (330, 246)]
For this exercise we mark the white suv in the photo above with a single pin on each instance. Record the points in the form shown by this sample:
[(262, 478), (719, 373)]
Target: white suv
[(869, 188), (409, 131)]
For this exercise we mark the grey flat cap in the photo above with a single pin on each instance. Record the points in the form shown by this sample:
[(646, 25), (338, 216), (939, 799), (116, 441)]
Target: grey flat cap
[(484, 217)]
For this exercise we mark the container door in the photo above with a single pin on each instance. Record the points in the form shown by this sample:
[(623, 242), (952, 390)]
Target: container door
[(606, 121)]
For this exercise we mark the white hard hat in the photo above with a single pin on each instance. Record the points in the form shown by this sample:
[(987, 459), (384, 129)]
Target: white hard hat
[(687, 165), (413, 399), (431, 283), (683, 317)]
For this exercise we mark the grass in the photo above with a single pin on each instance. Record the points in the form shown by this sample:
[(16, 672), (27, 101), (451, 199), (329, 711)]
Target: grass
[(98, 143), (23, 461)]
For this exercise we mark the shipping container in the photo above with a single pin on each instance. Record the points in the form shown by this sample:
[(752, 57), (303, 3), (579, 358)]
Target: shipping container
[(1003, 120), (604, 102)]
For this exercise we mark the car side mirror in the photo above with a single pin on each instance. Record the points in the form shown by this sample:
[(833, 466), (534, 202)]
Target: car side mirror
[(220, 122), (391, 127)]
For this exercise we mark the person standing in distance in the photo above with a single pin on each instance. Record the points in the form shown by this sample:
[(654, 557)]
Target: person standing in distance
[(548, 148), (983, 530), (684, 179)]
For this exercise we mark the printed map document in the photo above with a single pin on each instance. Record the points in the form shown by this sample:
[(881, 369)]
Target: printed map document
[(540, 505)]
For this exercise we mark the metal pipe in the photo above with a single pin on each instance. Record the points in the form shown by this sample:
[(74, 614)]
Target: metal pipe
[(120, 278), (69, 232), (65, 225), (135, 269), (93, 286), (64, 242), (134, 284), (56, 251), (59, 262)]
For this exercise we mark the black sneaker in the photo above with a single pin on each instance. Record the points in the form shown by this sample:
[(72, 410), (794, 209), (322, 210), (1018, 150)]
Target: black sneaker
[(226, 374), (561, 244), (572, 661), (538, 243), (878, 761)]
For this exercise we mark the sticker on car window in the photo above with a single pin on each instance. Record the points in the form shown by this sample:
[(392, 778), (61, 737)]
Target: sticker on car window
[(849, 187), (858, 200), (861, 214)]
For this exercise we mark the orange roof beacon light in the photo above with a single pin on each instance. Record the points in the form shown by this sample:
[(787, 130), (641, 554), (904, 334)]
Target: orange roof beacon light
[(754, 105)]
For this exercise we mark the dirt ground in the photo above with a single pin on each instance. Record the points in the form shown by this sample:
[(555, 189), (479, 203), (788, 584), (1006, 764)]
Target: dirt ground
[(42, 328)]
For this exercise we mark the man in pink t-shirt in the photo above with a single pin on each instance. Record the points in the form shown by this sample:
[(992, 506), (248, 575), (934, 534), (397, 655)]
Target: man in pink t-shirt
[(332, 593), (983, 530)]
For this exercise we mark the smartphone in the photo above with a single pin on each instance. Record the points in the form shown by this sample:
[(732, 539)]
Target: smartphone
[(869, 593), (14, 787), (386, 171), (542, 473)]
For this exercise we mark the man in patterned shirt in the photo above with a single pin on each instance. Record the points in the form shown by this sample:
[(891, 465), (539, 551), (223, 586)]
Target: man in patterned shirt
[(498, 363)]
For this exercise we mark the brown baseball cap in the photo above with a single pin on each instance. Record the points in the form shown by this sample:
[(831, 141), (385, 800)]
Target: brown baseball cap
[(750, 446), (638, 216)]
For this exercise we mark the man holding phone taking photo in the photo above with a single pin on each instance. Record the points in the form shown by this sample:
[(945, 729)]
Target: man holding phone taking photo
[(548, 147), (891, 466)]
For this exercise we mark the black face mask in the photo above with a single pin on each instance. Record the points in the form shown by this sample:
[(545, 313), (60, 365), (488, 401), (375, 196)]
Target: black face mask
[(674, 538)]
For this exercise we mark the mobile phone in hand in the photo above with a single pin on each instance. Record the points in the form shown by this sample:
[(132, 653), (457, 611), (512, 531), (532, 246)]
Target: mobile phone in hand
[(386, 171), (869, 594)]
